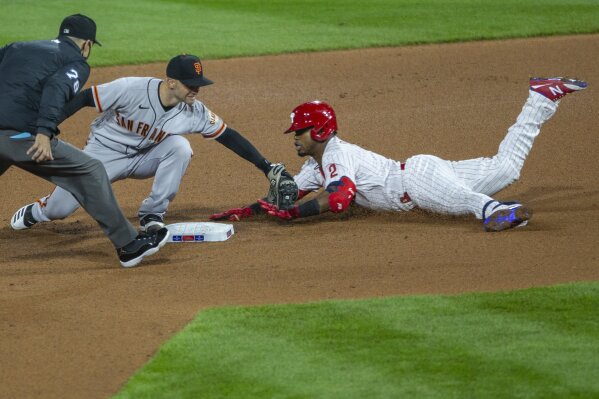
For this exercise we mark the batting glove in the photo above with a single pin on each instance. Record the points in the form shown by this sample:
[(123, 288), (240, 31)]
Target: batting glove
[(274, 210), (233, 215)]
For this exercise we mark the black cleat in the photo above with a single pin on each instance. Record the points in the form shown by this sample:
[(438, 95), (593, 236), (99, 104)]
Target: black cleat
[(145, 244)]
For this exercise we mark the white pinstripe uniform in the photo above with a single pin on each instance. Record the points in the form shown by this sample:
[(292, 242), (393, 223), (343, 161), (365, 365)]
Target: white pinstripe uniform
[(136, 137), (426, 181), (378, 179)]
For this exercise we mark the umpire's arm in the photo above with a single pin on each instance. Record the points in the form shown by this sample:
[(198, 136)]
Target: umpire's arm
[(58, 90)]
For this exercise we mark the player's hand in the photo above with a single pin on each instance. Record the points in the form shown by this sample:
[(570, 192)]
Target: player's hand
[(274, 210), (41, 149), (233, 215)]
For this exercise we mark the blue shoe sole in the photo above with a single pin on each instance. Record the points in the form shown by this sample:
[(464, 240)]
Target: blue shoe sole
[(508, 219)]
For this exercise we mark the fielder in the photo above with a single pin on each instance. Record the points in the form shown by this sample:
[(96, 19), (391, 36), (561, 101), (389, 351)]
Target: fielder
[(139, 134), (350, 173)]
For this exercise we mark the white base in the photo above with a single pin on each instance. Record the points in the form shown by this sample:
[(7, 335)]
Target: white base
[(199, 232)]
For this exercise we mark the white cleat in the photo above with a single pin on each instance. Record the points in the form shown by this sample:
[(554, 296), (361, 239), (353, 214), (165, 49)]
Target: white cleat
[(23, 218)]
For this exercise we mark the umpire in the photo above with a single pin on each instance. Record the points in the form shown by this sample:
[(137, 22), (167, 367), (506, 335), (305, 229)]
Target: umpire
[(37, 79)]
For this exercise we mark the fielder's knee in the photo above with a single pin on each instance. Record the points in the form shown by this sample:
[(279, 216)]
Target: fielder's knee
[(180, 147)]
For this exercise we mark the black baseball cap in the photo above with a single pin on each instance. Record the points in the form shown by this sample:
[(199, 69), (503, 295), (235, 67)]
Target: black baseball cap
[(187, 69), (79, 26)]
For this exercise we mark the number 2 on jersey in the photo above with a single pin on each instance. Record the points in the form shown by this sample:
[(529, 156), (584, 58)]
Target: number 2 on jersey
[(333, 170)]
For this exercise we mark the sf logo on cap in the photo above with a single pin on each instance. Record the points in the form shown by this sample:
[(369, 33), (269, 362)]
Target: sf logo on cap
[(292, 116), (198, 67)]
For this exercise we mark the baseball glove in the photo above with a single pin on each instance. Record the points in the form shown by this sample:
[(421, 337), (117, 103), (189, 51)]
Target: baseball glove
[(283, 190)]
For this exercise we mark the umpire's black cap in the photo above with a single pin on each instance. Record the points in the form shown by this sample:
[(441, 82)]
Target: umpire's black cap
[(79, 26), (187, 69)]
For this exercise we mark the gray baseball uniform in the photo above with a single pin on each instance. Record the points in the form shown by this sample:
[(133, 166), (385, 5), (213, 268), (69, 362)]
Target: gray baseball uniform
[(136, 137)]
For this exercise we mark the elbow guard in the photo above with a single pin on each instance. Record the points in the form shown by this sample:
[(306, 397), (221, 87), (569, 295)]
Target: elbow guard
[(342, 193)]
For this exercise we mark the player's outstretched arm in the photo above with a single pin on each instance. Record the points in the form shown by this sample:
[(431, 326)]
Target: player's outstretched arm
[(337, 198), (314, 207), (237, 214), (234, 141)]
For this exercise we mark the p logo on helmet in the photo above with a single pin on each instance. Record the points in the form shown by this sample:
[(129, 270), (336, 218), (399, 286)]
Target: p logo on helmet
[(317, 115)]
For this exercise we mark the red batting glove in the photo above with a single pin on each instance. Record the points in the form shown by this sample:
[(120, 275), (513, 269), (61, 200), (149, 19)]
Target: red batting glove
[(233, 215), (274, 210)]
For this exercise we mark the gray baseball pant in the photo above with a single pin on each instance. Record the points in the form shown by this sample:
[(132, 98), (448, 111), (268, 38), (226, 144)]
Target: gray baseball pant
[(166, 162)]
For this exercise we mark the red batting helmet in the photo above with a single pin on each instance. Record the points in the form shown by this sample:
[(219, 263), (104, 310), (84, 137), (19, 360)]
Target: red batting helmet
[(317, 115)]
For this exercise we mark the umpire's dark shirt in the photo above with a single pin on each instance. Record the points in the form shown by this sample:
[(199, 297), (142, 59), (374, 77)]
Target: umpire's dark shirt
[(37, 78)]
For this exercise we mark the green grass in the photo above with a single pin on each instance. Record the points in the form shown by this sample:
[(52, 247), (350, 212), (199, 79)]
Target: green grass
[(140, 31), (536, 343)]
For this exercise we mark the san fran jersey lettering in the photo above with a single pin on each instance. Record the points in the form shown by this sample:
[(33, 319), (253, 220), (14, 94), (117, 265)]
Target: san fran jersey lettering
[(133, 116), (378, 180)]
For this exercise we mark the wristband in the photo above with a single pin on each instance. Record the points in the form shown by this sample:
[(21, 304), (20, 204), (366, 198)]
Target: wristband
[(309, 208), (256, 208)]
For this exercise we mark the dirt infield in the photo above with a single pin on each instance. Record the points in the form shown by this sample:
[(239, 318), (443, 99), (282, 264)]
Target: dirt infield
[(74, 324)]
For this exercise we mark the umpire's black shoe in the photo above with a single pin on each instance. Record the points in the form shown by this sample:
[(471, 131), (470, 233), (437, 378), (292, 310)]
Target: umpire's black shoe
[(145, 244)]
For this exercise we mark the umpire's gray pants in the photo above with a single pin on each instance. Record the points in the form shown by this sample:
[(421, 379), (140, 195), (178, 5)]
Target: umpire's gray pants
[(76, 172)]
